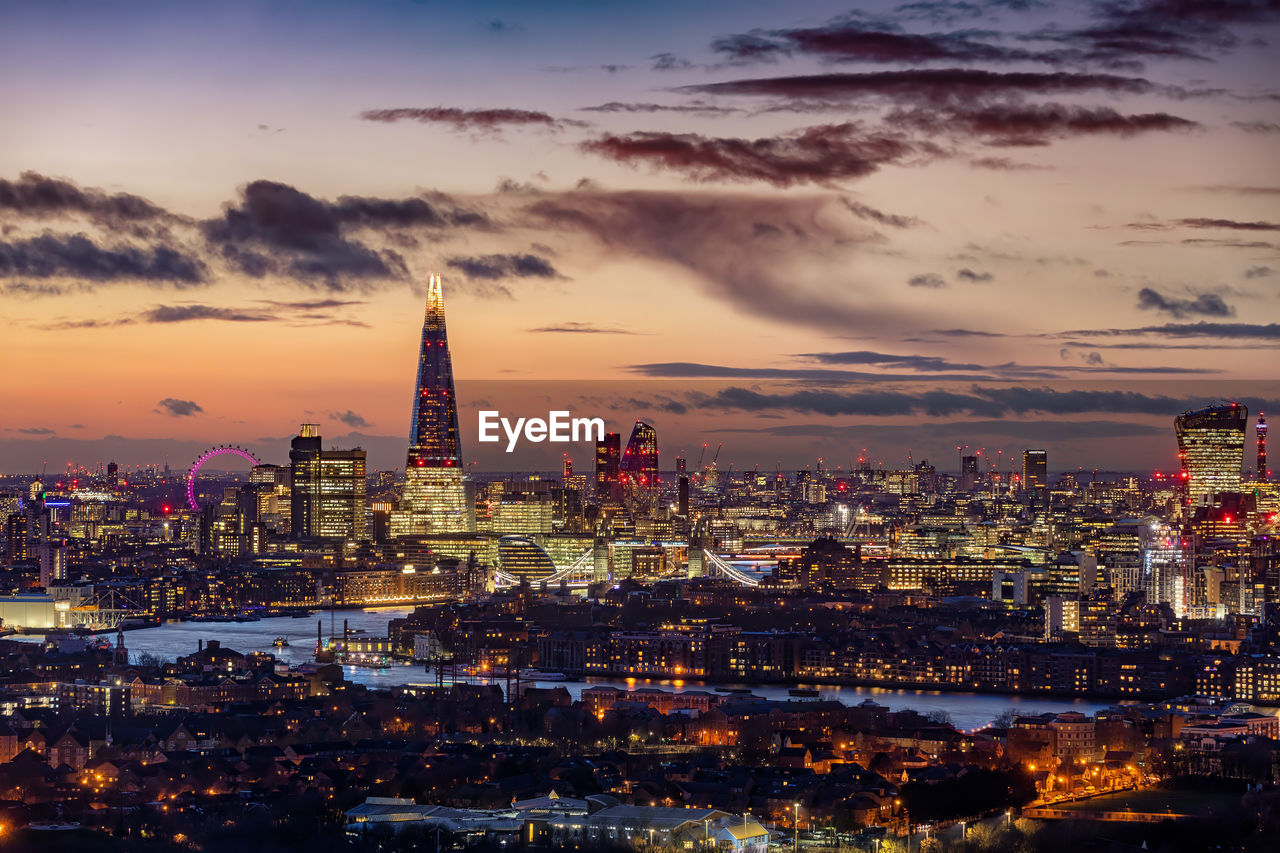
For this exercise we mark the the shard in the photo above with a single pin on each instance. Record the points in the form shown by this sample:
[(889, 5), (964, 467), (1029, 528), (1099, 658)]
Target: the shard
[(434, 499)]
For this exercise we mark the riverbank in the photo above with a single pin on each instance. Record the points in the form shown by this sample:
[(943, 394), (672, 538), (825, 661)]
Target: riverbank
[(968, 710)]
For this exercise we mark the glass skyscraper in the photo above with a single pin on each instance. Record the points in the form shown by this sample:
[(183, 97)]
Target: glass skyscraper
[(640, 459), (1211, 450), (434, 499)]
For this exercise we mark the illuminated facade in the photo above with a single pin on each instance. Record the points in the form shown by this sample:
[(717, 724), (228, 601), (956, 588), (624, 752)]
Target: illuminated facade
[(327, 491), (1035, 469), (1164, 568), (640, 460), (434, 499), (341, 496), (1262, 447), (523, 558), (608, 460), (1211, 450)]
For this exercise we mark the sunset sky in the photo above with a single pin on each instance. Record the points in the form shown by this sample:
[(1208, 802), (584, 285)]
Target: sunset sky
[(800, 229)]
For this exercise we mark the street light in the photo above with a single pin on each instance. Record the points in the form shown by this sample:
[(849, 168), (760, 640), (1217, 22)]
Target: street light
[(795, 828)]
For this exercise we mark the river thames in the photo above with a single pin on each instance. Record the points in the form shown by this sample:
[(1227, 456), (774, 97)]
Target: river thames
[(172, 640)]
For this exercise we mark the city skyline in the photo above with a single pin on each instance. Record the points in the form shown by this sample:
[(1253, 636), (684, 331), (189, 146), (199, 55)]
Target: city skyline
[(802, 233)]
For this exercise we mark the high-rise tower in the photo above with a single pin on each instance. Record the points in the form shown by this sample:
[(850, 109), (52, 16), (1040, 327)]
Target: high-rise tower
[(640, 459), (1262, 446), (434, 499), (608, 462), (1035, 469), (1211, 450)]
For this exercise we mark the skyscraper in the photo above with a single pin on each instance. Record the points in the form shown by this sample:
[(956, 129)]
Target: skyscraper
[(1035, 469), (1262, 446), (434, 499), (640, 459), (608, 459), (327, 495), (1211, 450), (304, 495)]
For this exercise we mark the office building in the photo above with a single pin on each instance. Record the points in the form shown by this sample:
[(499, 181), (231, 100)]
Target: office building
[(608, 462), (1211, 450), (1035, 470), (304, 478), (327, 491), (1261, 429), (640, 459)]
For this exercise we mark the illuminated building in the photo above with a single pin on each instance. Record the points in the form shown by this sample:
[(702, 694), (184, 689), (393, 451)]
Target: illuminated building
[(1035, 470), (341, 495), (640, 459), (304, 463), (827, 564), (1211, 450), (434, 499), (523, 558), (270, 486), (1164, 568), (327, 493), (608, 461), (1261, 429), (16, 537)]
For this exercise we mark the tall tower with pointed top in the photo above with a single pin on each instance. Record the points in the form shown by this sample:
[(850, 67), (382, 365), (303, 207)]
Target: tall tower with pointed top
[(434, 499)]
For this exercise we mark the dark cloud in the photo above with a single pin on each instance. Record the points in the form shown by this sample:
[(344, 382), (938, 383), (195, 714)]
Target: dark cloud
[(1123, 31), (276, 229), (51, 255), (575, 328), (495, 267), (1004, 164), (1237, 189), (1018, 124), (34, 291), (863, 41), (927, 279), (927, 86), (691, 108), (1201, 222), (1257, 126), (816, 155), (868, 40), (1205, 304), (313, 304), (350, 418), (1119, 34), (185, 313), (967, 333), (1030, 430), (179, 408), (969, 275), (1259, 272), (36, 431), (37, 196), (1203, 243), (487, 121), (893, 220), (923, 363), (297, 313), (694, 370), (718, 238), (670, 62), (1201, 329), (977, 401), (949, 11), (932, 367)]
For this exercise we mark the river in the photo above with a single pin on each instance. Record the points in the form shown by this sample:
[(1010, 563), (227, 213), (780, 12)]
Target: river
[(968, 711)]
